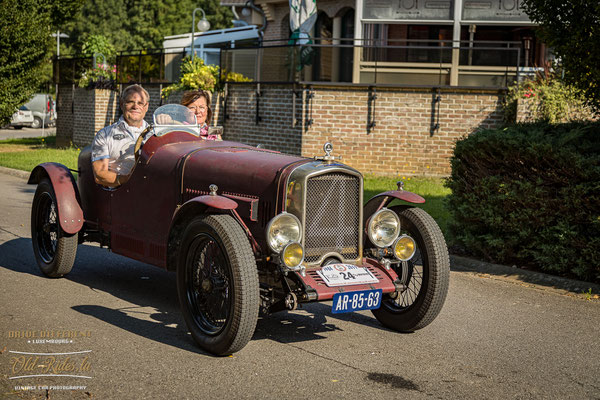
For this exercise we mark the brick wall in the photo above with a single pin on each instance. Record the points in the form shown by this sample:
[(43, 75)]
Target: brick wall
[(82, 112), (403, 140)]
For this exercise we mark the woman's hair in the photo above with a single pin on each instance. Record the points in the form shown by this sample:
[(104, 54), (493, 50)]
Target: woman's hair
[(191, 96)]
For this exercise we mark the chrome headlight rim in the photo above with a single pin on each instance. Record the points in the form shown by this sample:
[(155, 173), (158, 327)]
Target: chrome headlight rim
[(393, 238), (414, 247), (284, 214), (283, 258)]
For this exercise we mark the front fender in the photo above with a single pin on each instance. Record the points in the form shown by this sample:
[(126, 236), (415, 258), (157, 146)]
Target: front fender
[(69, 210), (383, 199)]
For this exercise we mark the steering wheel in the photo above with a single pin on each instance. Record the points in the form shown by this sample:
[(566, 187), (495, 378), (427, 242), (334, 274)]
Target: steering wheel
[(140, 140)]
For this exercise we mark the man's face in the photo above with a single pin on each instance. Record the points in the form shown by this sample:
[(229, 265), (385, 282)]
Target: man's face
[(134, 109)]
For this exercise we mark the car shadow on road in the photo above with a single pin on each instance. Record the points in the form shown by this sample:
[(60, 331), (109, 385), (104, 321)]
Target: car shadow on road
[(308, 323), (153, 312)]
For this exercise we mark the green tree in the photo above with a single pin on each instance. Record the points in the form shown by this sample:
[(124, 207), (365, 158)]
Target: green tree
[(98, 44), (26, 27), (572, 29), (141, 24)]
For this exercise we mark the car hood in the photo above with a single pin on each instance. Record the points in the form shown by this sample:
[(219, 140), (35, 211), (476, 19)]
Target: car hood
[(236, 169)]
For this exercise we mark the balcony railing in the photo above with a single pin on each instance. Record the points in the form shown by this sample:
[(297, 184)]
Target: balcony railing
[(374, 62), (335, 61)]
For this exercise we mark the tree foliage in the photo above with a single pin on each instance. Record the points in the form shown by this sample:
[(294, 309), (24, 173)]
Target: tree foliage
[(141, 24), (26, 27), (98, 44), (572, 29)]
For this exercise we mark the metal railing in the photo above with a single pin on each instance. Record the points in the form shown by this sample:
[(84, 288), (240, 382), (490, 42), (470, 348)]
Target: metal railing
[(328, 60), (143, 66), (379, 62)]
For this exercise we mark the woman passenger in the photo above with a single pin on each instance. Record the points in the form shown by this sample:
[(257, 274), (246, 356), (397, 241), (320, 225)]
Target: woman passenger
[(198, 101)]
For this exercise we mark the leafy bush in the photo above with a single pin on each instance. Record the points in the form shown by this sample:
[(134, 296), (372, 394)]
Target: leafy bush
[(548, 99), (101, 77), (530, 194), (195, 75)]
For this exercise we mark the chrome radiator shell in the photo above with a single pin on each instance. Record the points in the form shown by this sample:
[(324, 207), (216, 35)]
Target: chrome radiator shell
[(327, 199)]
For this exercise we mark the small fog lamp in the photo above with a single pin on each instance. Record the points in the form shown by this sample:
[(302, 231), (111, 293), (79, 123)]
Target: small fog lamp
[(292, 255), (404, 248)]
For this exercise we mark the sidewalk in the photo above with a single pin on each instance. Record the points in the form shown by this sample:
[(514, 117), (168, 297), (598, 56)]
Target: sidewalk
[(537, 280)]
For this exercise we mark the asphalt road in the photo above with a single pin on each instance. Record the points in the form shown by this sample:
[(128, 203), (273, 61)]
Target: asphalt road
[(12, 133), (495, 338)]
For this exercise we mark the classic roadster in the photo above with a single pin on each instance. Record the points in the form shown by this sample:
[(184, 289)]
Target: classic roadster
[(247, 230)]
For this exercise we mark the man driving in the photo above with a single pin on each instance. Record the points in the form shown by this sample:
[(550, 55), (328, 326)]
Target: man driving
[(113, 146)]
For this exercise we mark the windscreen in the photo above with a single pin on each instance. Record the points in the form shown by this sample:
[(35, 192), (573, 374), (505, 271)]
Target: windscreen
[(174, 117)]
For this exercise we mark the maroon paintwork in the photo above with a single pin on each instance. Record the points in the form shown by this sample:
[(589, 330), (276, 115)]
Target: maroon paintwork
[(381, 200), (173, 171), (386, 281), (69, 212), (170, 185)]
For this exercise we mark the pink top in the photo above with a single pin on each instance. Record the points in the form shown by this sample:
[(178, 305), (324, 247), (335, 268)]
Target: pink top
[(204, 133)]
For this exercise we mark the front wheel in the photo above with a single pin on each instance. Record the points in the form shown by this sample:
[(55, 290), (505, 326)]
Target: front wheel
[(426, 275), (217, 284), (37, 123), (54, 249)]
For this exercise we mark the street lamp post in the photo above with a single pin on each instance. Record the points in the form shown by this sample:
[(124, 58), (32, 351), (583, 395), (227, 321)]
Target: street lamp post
[(59, 35), (203, 26)]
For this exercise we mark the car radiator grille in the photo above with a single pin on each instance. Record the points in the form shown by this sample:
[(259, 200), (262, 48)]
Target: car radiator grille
[(332, 216)]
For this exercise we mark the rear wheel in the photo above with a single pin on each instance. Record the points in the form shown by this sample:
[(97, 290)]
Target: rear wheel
[(54, 249), (217, 284), (426, 275)]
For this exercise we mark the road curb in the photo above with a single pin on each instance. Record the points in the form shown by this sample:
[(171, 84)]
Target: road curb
[(15, 172), (539, 280)]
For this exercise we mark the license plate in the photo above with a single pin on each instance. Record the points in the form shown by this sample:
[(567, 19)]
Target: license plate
[(356, 301), (346, 274)]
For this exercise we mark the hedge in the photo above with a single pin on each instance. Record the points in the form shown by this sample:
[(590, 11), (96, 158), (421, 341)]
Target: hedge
[(529, 195)]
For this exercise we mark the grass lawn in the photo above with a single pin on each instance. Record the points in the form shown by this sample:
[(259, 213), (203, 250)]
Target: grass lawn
[(25, 154), (432, 189)]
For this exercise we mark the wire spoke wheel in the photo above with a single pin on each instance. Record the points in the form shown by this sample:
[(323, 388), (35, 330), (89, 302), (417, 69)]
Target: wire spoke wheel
[(208, 285), (54, 249), (425, 276), (217, 284), (413, 271)]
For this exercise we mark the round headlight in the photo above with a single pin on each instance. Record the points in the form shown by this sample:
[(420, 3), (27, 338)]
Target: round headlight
[(292, 255), (283, 229), (404, 248), (384, 228)]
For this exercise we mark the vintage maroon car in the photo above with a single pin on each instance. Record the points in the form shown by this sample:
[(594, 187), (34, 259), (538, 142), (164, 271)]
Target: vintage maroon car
[(247, 230)]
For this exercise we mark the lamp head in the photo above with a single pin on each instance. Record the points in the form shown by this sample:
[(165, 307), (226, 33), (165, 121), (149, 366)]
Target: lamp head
[(203, 25)]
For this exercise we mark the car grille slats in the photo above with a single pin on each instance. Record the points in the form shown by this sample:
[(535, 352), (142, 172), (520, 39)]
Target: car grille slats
[(332, 216)]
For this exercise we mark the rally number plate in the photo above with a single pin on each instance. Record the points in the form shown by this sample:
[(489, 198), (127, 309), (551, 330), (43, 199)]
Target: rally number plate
[(355, 301), (346, 274)]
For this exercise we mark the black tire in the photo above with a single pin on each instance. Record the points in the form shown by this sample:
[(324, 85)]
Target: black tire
[(217, 284), (18, 127), (54, 249), (37, 123), (427, 275)]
